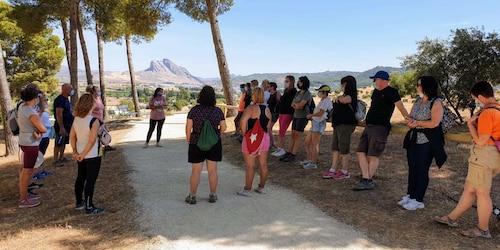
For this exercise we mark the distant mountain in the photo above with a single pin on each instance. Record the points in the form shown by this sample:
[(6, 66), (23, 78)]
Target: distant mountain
[(331, 78), (159, 72)]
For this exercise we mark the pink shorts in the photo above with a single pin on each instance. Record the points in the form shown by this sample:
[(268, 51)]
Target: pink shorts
[(264, 148)]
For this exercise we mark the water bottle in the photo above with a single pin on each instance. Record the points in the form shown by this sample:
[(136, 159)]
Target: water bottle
[(60, 140)]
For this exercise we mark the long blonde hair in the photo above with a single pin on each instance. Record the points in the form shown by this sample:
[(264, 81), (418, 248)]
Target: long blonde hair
[(84, 105)]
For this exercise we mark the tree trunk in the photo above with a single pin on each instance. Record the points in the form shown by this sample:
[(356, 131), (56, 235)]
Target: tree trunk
[(11, 144), (85, 53), (221, 56), (73, 29), (100, 55), (137, 108), (64, 27)]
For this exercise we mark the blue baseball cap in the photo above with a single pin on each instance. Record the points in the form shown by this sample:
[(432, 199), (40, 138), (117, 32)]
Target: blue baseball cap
[(381, 74)]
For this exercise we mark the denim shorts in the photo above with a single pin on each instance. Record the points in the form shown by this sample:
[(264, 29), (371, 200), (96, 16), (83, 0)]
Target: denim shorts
[(318, 127)]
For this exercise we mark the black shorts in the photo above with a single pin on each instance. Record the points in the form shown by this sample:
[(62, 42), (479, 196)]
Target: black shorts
[(64, 140), (299, 124), (195, 155), (373, 140)]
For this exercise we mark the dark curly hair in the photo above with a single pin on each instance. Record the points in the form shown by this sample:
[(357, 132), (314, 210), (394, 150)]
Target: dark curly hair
[(29, 94), (207, 96)]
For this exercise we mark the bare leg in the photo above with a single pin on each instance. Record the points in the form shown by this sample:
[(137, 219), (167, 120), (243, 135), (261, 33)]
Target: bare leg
[(296, 142), (263, 171), (24, 181), (335, 159), (484, 208), (363, 165), (250, 171), (271, 136), (372, 166), (281, 142), (195, 177), (466, 201), (345, 160), (212, 175), (316, 137), (308, 145)]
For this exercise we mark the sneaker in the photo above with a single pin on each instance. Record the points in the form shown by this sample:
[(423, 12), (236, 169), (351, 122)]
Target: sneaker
[(364, 185), (304, 162), (64, 159), (34, 186), (310, 166), (33, 196), (28, 203), (158, 145), (94, 211), (240, 138), (109, 148), (59, 164), (328, 175), (285, 155), (190, 199), (244, 192), (45, 173), (80, 206), (212, 198), (38, 176), (339, 175), (404, 200), (279, 153), (235, 135), (145, 145), (289, 158), (260, 190), (413, 204)]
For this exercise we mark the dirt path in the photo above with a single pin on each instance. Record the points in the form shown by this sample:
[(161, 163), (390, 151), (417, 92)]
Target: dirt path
[(279, 219)]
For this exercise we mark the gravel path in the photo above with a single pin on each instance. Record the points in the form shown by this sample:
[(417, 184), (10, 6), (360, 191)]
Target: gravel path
[(279, 219)]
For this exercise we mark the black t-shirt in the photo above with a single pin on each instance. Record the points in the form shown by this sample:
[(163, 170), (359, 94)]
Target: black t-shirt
[(272, 103), (285, 105), (342, 113), (67, 115), (382, 106)]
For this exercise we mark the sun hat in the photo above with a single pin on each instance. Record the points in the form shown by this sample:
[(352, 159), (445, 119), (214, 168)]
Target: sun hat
[(324, 88)]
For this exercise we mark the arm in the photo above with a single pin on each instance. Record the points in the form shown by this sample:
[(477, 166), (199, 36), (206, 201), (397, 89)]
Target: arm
[(268, 115), (478, 139), (40, 128), (92, 139), (72, 142), (189, 127), (319, 113), (344, 99), (59, 118), (244, 119), (401, 108), (222, 126)]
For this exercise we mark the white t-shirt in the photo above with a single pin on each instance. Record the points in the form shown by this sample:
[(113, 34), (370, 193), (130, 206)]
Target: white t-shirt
[(267, 94), (82, 129), (325, 104), (46, 122)]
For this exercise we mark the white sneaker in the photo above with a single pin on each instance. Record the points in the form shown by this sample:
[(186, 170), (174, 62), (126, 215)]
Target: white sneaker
[(404, 200), (413, 205), (244, 192), (304, 162), (310, 166), (145, 145), (278, 153), (260, 190)]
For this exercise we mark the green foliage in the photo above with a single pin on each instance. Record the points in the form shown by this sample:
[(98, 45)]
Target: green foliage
[(197, 9), (128, 102), (468, 56), (404, 83), (31, 57)]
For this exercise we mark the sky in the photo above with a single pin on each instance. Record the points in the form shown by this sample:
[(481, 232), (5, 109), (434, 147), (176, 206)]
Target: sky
[(279, 36)]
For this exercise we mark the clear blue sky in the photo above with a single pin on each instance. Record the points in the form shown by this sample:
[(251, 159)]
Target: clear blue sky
[(277, 36)]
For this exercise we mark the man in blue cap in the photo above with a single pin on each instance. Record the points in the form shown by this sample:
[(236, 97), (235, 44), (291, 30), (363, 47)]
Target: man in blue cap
[(378, 125)]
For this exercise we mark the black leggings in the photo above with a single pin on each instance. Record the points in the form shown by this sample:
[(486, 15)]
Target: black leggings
[(152, 124), (88, 170)]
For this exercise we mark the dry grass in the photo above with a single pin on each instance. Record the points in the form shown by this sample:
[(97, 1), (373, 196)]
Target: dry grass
[(55, 224), (376, 212)]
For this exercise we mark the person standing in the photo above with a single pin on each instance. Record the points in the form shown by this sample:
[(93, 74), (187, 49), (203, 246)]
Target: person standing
[(86, 151), (265, 88), (205, 109), (63, 115), (301, 104), (99, 107), (273, 104), (378, 125), (157, 105), (484, 163), (44, 143), (285, 116), (423, 142), (258, 111), (31, 129), (318, 120), (241, 108), (344, 123)]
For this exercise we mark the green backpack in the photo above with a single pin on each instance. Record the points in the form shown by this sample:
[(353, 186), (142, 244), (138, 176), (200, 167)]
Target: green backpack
[(208, 137)]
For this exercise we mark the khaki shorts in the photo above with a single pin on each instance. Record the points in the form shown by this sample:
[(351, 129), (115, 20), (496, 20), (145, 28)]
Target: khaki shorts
[(484, 165), (373, 140)]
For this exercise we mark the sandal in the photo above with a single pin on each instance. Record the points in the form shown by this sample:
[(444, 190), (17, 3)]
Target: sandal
[(476, 232), (448, 221)]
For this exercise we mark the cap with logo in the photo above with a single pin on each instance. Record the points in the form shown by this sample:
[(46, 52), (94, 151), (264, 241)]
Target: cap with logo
[(381, 75), (324, 88)]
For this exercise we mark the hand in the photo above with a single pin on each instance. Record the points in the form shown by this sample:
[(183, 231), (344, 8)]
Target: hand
[(309, 116), (62, 131), (37, 134), (472, 120)]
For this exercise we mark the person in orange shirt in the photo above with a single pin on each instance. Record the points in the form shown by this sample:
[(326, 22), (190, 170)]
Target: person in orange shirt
[(484, 162), (241, 108)]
